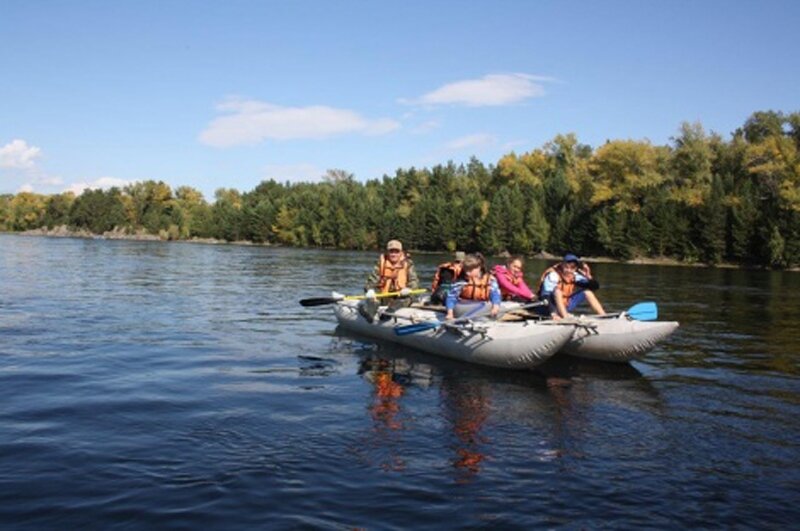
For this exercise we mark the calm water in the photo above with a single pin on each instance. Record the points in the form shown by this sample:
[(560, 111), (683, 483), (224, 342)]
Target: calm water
[(178, 385)]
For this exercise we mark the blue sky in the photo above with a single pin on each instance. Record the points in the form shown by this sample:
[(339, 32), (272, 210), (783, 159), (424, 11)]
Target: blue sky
[(227, 94)]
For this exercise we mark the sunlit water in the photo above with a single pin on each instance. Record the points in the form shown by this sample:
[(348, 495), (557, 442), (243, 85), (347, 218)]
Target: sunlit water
[(177, 385)]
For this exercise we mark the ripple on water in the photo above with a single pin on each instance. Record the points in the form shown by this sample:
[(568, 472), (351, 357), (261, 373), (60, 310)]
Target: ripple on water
[(156, 385)]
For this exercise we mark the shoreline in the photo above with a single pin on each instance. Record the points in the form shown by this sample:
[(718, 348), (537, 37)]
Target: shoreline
[(120, 234), (63, 231)]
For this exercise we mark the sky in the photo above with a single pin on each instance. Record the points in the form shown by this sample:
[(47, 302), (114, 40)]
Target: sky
[(228, 94)]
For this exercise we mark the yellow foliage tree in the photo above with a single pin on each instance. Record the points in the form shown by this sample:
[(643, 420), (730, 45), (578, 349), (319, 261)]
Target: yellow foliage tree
[(775, 163), (27, 210), (622, 171)]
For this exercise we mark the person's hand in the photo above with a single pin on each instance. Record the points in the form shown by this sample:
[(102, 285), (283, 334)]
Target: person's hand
[(405, 292), (370, 295)]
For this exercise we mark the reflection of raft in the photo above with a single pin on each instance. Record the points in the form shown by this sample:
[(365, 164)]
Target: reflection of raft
[(511, 345), (615, 338)]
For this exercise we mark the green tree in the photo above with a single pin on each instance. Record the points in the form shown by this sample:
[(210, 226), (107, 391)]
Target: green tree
[(98, 211), (713, 223), (57, 209)]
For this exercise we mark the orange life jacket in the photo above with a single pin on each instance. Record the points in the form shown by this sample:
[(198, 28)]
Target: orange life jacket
[(477, 290), (453, 267), (566, 281), (393, 277)]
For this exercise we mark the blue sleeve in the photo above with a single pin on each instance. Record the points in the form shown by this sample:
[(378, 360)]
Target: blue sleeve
[(452, 295), (550, 283), (495, 297)]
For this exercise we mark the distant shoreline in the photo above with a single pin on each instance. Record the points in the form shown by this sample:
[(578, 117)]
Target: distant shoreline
[(117, 234), (63, 231)]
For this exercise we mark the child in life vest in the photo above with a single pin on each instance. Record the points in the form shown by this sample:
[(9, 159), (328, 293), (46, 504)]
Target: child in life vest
[(511, 280), (475, 285), (568, 284)]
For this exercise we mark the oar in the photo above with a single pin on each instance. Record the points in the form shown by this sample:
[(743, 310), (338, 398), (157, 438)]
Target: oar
[(643, 311), (480, 311), (319, 301)]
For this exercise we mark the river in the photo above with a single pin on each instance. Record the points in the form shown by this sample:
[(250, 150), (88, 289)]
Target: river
[(174, 385)]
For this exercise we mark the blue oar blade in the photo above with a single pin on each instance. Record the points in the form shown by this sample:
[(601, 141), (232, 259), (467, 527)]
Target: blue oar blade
[(643, 311), (414, 328)]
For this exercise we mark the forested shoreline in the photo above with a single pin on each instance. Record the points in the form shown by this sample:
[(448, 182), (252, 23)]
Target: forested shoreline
[(699, 199)]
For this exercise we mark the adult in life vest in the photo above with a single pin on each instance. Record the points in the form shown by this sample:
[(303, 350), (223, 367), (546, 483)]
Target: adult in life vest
[(511, 279), (474, 289), (394, 272), (568, 284), (444, 277)]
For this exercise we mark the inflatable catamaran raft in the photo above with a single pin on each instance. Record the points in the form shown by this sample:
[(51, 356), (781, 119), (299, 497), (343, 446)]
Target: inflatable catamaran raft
[(518, 344), (506, 344)]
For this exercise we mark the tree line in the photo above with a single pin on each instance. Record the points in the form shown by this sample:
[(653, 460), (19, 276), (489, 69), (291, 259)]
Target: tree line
[(701, 198)]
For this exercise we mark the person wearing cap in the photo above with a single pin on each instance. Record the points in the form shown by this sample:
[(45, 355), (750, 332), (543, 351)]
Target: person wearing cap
[(443, 279), (394, 272), (473, 290), (511, 280), (568, 284)]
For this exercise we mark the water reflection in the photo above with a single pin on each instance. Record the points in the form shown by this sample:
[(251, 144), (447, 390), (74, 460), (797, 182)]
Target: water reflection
[(555, 413), (384, 411), (466, 405)]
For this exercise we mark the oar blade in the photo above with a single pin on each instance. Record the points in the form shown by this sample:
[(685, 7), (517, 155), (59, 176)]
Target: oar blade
[(643, 311), (416, 328), (317, 301)]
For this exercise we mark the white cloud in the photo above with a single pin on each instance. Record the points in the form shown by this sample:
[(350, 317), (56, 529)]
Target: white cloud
[(490, 90), (103, 183), (27, 187), (293, 172), (18, 154), (514, 144), (471, 141), (426, 127), (250, 122)]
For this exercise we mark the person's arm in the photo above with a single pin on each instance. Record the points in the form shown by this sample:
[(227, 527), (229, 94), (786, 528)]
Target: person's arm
[(521, 290), (549, 286), (413, 279), (435, 283), (584, 279), (374, 278), (524, 291), (505, 285)]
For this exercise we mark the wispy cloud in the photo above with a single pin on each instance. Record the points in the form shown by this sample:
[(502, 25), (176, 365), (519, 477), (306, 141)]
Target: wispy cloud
[(514, 144), (40, 182), (18, 154), (478, 140), (490, 90), (251, 121), (103, 183), (426, 127)]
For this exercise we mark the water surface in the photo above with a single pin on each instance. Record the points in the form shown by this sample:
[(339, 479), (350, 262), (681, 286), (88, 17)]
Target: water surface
[(177, 385)]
